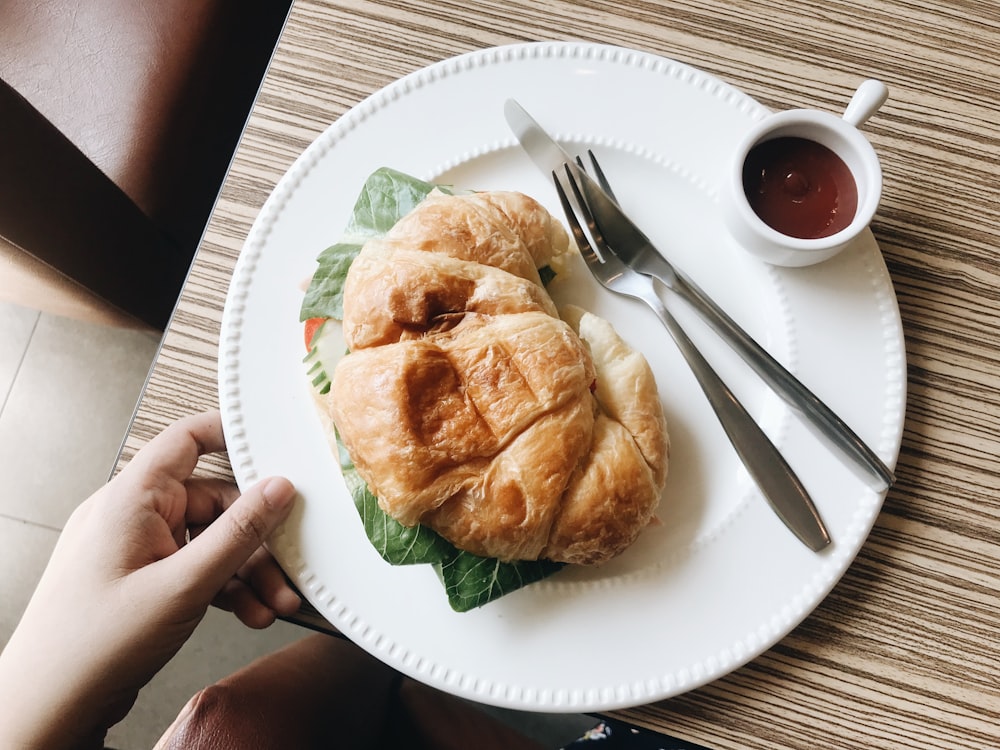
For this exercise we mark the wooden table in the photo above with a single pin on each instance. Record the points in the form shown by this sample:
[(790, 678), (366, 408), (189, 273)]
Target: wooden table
[(904, 652)]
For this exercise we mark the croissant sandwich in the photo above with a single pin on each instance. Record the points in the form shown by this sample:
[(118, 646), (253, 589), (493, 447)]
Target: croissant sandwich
[(469, 405)]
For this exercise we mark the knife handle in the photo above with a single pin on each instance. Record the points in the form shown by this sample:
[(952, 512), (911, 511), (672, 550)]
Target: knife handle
[(782, 382)]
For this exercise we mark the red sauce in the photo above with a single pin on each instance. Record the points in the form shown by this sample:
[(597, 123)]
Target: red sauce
[(799, 187)]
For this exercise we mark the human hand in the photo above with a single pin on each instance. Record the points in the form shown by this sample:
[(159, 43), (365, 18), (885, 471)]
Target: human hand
[(132, 575)]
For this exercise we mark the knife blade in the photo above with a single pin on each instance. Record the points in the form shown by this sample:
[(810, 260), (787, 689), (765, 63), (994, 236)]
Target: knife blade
[(645, 258)]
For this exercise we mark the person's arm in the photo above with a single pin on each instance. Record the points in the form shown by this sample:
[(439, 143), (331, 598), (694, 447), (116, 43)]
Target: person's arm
[(131, 576)]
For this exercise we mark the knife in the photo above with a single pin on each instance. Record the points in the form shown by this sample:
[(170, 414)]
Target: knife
[(645, 258)]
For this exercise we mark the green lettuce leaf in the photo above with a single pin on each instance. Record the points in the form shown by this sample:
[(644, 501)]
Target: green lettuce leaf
[(397, 544), (472, 581), (386, 197), (325, 295), (469, 580)]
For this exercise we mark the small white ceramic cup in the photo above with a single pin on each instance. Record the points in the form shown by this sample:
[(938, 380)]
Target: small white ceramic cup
[(840, 135)]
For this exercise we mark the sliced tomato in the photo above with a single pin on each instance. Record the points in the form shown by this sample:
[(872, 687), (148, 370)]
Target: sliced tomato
[(311, 326)]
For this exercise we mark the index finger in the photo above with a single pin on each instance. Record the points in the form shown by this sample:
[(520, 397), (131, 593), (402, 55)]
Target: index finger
[(176, 450)]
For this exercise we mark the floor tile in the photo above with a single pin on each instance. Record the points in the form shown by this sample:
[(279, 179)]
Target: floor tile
[(24, 552), (16, 326), (67, 413)]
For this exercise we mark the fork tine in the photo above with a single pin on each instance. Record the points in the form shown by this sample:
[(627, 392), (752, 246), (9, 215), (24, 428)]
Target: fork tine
[(595, 167), (601, 251), (588, 216), (602, 179), (613, 263), (586, 249)]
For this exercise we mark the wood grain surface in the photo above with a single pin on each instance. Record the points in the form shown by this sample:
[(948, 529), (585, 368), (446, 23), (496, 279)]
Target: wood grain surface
[(904, 652)]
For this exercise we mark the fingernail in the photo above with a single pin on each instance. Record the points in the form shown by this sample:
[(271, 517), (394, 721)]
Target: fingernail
[(278, 492)]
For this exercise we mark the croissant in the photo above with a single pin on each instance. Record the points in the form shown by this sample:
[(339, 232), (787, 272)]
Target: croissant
[(468, 404)]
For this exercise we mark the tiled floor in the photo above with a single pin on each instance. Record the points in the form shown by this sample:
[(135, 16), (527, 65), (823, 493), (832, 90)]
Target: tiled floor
[(67, 393)]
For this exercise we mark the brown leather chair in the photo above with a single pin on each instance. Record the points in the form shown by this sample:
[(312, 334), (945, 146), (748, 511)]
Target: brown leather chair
[(118, 120)]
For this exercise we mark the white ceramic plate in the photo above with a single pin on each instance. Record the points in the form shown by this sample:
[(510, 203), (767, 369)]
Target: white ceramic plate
[(721, 579)]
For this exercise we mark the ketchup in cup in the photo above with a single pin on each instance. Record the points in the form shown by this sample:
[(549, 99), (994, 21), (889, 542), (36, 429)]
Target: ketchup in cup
[(799, 187), (803, 184)]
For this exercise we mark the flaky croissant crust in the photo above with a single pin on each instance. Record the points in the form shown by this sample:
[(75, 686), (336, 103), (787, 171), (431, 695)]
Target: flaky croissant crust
[(469, 406)]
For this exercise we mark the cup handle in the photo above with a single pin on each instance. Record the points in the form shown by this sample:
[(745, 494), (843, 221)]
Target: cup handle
[(871, 95)]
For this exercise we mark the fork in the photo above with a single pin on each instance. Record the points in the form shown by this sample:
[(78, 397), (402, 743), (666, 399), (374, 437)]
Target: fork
[(780, 486), (639, 254)]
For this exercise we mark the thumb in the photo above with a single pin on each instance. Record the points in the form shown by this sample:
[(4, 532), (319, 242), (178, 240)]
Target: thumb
[(214, 556)]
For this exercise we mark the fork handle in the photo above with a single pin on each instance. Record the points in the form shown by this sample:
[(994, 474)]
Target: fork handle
[(780, 486)]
